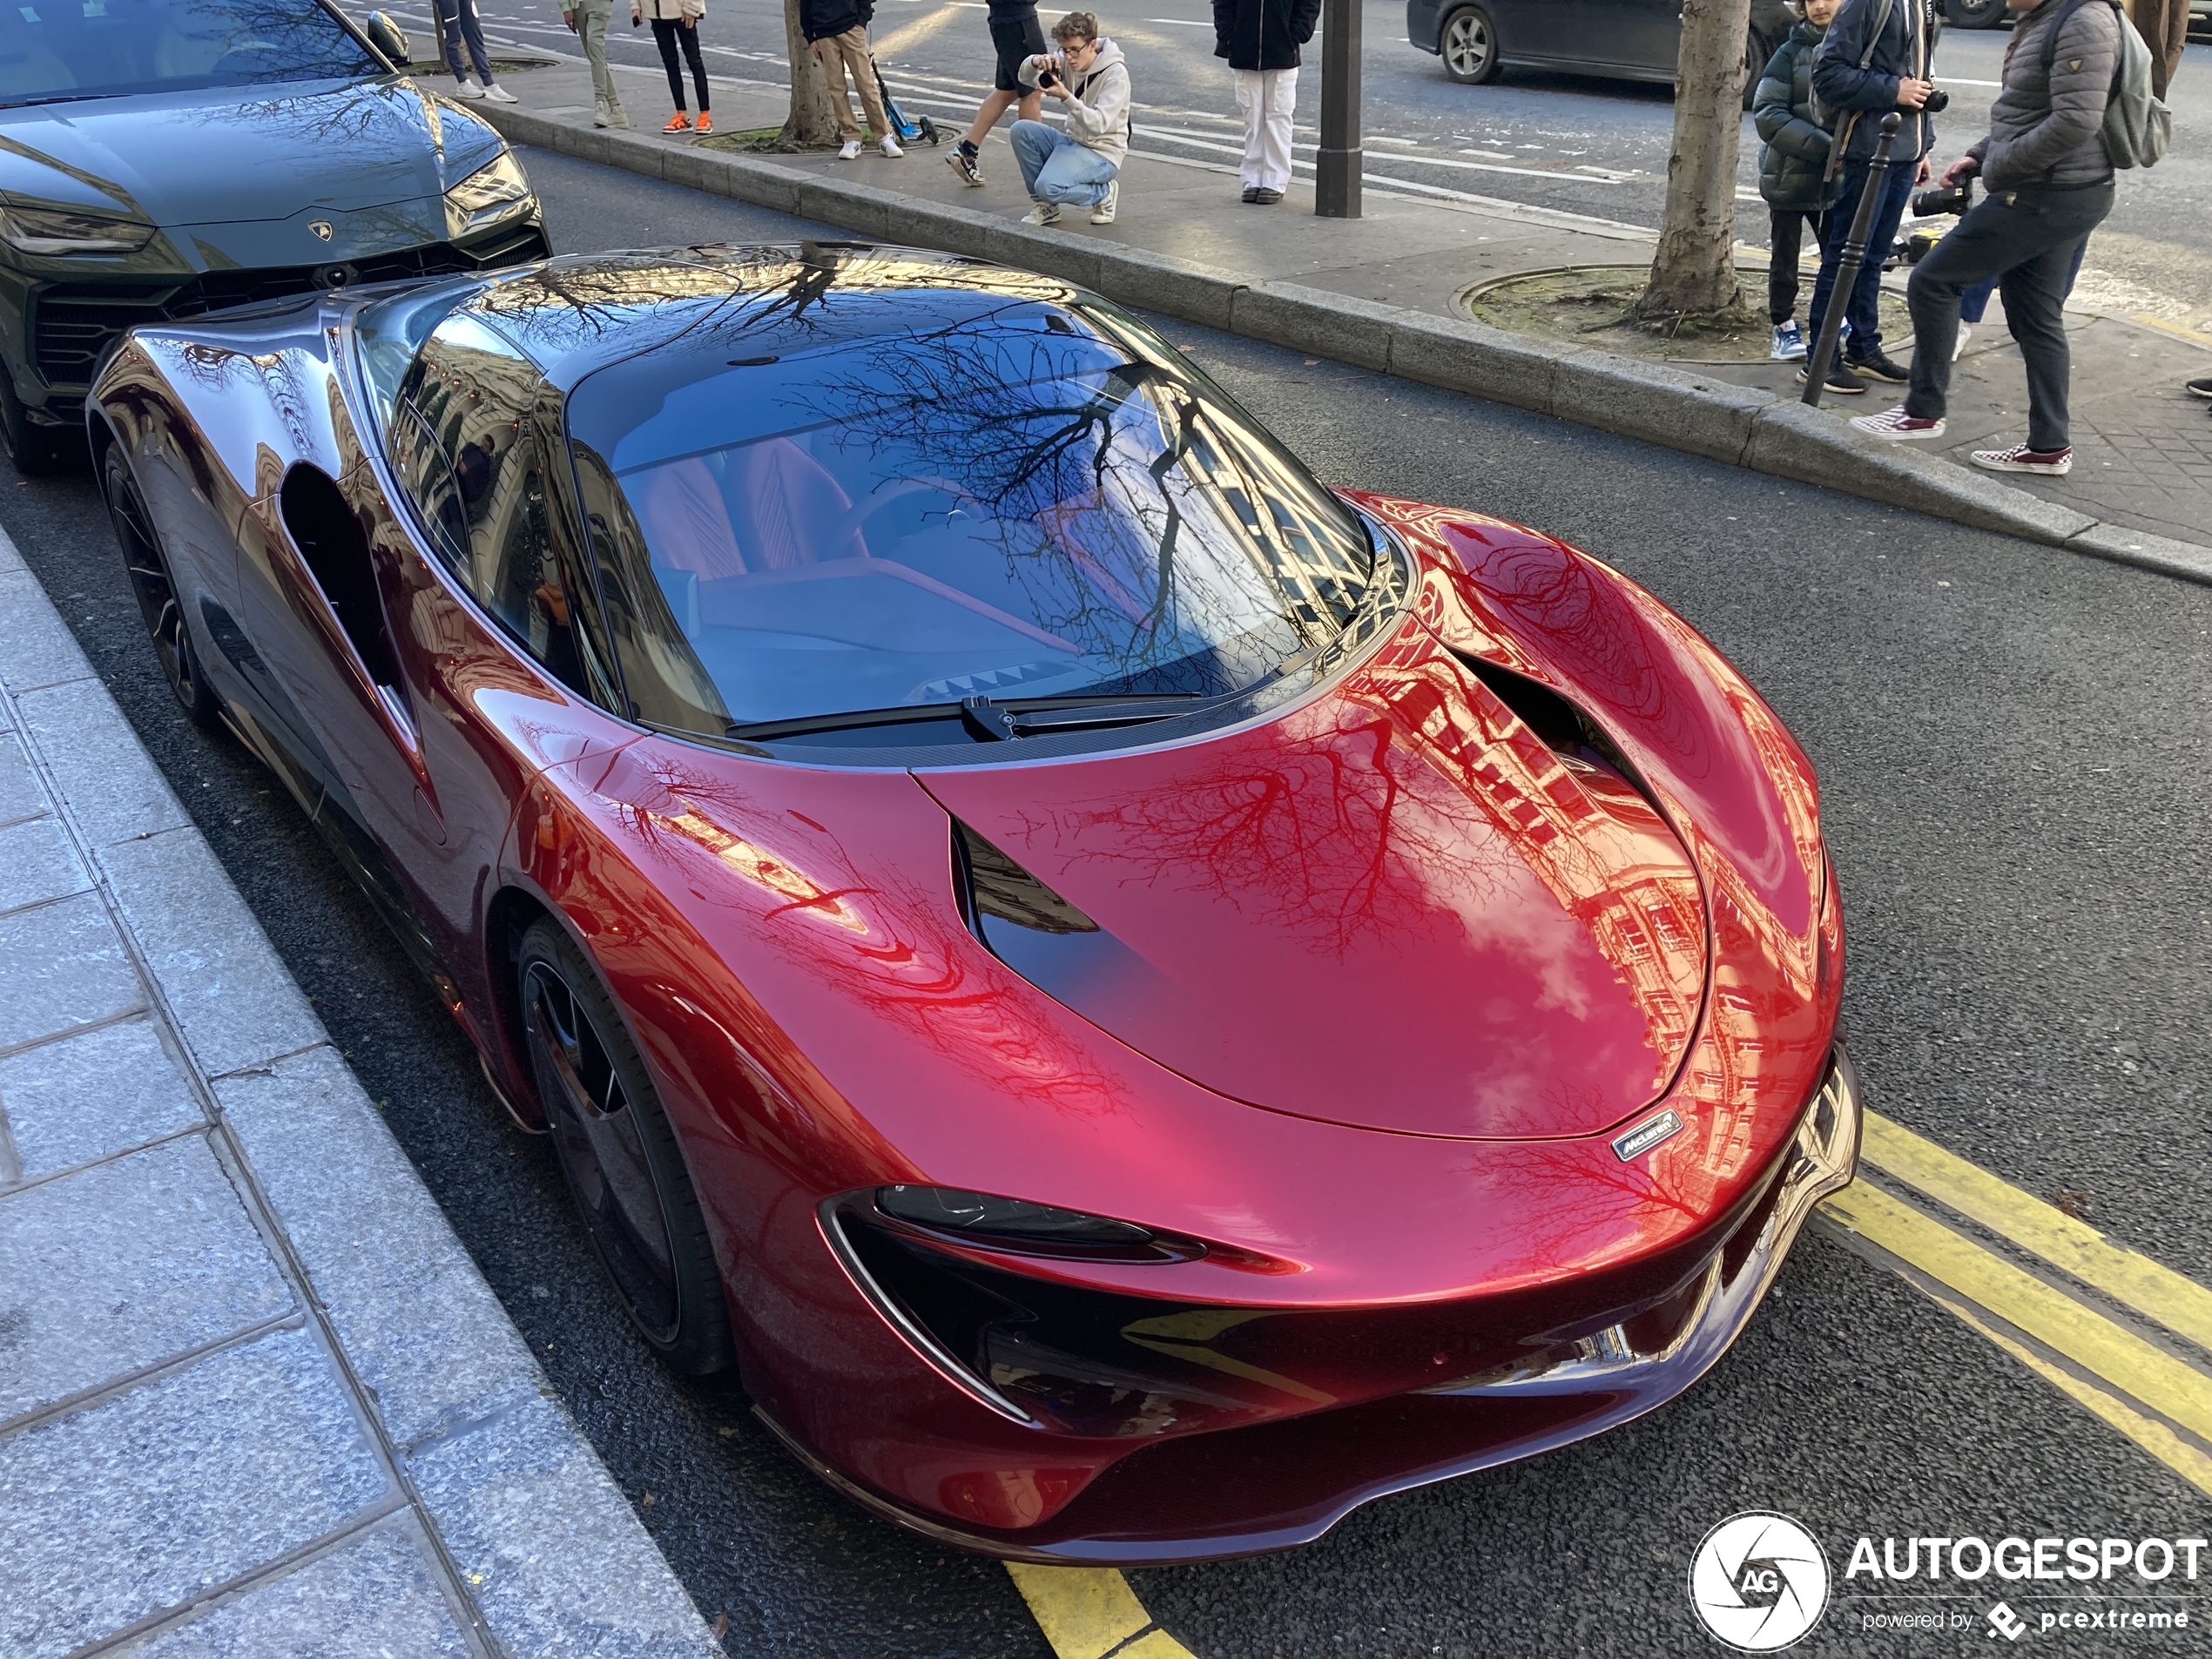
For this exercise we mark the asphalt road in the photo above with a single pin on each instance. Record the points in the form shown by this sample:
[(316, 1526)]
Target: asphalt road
[(1571, 143), (2013, 745)]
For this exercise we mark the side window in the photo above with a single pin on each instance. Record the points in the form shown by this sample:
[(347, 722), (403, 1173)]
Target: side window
[(462, 446)]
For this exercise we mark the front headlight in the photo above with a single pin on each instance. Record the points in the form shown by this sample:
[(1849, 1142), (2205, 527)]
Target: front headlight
[(488, 193), (46, 231)]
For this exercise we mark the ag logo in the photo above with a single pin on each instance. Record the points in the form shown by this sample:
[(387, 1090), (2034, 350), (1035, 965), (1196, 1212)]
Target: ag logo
[(1758, 1582), (321, 228)]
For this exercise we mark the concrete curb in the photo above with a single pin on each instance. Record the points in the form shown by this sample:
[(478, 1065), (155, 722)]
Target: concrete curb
[(1741, 425), (455, 1507)]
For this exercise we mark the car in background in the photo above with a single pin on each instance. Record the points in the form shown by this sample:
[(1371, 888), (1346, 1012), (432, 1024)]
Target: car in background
[(1139, 1000), (161, 158), (1633, 40)]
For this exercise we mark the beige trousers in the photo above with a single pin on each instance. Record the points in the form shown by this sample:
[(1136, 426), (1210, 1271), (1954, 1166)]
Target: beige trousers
[(849, 51)]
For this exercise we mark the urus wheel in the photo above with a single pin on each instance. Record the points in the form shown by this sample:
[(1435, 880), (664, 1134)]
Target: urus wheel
[(1469, 46), (619, 1156), (159, 603), (1973, 14)]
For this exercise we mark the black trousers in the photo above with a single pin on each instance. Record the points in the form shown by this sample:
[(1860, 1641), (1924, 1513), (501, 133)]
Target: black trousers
[(1786, 232), (2027, 240), (666, 33)]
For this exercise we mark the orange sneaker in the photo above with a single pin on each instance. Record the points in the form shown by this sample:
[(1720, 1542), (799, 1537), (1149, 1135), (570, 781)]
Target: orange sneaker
[(707, 123), (679, 122)]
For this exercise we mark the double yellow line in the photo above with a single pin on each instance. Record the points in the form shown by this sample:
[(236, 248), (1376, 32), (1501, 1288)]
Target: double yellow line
[(2051, 1324), (2126, 1376)]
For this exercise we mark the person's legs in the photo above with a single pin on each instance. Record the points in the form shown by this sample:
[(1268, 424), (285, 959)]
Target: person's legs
[(664, 37), (1249, 106), (2034, 289), (1278, 100), (449, 38), (472, 33), (1785, 231), (592, 27), (853, 43), (997, 104), (689, 39), (1966, 260), (1073, 175), (1863, 307), (848, 130), (1835, 232), (1973, 304), (1034, 143)]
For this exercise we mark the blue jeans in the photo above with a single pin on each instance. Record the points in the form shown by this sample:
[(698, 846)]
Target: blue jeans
[(1055, 168), (1861, 305)]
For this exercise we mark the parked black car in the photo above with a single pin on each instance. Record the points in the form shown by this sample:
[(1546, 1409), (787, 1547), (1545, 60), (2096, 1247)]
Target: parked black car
[(159, 158), (1634, 40)]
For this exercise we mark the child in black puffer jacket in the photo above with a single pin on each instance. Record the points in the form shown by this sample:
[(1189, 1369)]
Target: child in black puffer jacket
[(1793, 169)]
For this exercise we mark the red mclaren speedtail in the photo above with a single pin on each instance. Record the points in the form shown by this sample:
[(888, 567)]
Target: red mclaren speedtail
[(1142, 1002)]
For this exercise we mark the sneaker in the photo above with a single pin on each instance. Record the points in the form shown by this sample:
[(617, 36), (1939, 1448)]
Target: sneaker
[(2200, 389), (499, 94), (889, 146), (2053, 463), (1840, 380), (1966, 333), (1042, 214), (1251, 192), (1266, 197), (1896, 425), (1103, 212), (1789, 345), (616, 115), (679, 122), (467, 88), (1877, 367), (963, 161), (850, 150), (600, 118), (707, 123)]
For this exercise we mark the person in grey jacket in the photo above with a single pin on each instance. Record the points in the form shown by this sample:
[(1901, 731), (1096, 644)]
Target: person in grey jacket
[(1081, 164), (2050, 184)]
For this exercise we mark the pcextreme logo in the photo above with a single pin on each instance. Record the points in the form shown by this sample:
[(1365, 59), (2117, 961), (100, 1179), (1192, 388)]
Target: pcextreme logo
[(1758, 1582)]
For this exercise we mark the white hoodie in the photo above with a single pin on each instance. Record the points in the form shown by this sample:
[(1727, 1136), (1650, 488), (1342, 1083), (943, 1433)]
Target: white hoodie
[(1097, 107)]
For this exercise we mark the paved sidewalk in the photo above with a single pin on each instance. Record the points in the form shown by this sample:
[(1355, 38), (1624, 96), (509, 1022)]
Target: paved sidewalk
[(255, 1398), (2144, 446)]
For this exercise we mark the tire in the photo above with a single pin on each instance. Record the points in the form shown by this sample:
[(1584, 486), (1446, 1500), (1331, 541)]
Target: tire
[(1973, 14), (619, 1157), (156, 590), (1756, 52), (1468, 44), (35, 451)]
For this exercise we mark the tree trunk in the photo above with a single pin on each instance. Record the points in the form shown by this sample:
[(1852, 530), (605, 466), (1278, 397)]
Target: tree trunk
[(811, 123), (1695, 270)]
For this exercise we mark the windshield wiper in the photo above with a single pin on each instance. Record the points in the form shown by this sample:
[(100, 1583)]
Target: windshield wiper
[(56, 97), (990, 719)]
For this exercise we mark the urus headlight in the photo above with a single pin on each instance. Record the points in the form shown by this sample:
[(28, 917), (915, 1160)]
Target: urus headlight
[(488, 193), (50, 232)]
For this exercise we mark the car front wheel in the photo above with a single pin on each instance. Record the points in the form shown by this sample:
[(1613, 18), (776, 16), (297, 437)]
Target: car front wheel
[(155, 587), (619, 1156), (1468, 45)]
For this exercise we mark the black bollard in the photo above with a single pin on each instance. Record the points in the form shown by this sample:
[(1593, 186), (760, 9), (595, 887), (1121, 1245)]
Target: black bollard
[(1823, 349)]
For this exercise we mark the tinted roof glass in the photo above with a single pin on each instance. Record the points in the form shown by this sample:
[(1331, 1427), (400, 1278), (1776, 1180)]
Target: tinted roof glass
[(72, 49), (1021, 500)]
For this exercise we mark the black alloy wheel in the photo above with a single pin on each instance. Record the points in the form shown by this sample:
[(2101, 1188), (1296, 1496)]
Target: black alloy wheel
[(1756, 53), (1973, 14), (34, 449), (619, 1156), (159, 603), (1468, 44)]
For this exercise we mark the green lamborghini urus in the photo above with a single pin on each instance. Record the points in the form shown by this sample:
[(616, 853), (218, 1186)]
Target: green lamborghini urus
[(160, 158)]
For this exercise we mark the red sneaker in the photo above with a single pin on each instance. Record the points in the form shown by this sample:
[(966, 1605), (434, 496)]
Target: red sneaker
[(1895, 425), (707, 123), (2052, 463)]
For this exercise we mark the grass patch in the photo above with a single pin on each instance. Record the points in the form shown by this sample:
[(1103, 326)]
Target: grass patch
[(761, 141), (1590, 306)]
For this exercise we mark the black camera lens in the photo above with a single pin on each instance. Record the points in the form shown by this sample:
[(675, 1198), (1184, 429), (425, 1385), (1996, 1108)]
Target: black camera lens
[(1938, 101)]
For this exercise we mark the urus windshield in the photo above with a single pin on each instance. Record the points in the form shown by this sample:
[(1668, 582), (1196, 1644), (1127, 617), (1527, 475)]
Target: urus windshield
[(791, 538), (102, 48)]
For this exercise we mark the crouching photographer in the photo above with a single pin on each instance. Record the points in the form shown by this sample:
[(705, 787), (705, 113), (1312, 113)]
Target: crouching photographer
[(1082, 166), (2049, 179)]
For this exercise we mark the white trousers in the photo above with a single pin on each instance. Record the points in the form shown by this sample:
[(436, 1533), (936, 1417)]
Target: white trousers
[(1266, 96)]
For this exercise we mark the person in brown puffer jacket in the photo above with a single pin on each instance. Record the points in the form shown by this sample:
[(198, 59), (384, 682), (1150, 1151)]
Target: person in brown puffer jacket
[(2050, 184)]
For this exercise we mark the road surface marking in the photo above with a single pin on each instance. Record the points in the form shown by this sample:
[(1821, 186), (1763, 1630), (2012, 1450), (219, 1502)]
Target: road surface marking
[(2157, 1292), (1091, 1612)]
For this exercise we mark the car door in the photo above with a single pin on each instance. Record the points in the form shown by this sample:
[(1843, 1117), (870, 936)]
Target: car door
[(1641, 36)]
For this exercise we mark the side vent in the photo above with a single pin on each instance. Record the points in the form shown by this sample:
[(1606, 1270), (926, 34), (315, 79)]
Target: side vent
[(1557, 722), (330, 539), (998, 894)]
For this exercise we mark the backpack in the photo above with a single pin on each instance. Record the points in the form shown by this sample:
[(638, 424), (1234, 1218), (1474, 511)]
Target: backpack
[(2137, 126)]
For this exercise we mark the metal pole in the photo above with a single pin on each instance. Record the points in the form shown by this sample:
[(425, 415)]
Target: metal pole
[(1823, 349), (1340, 160)]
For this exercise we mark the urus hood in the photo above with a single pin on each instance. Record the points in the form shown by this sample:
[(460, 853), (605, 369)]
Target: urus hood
[(1394, 907), (231, 155)]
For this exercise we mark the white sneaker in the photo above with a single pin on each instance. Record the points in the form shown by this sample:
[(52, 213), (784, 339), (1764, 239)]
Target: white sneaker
[(1042, 214), (890, 147), (499, 94), (851, 151), (1966, 333), (1103, 213), (467, 88)]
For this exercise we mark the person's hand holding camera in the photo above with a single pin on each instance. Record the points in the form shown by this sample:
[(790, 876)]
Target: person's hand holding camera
[(1964, 167), (1912, 94), (1048, 68)]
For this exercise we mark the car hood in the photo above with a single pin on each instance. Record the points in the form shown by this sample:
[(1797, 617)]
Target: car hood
[(219, 157), (1394, 907)]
